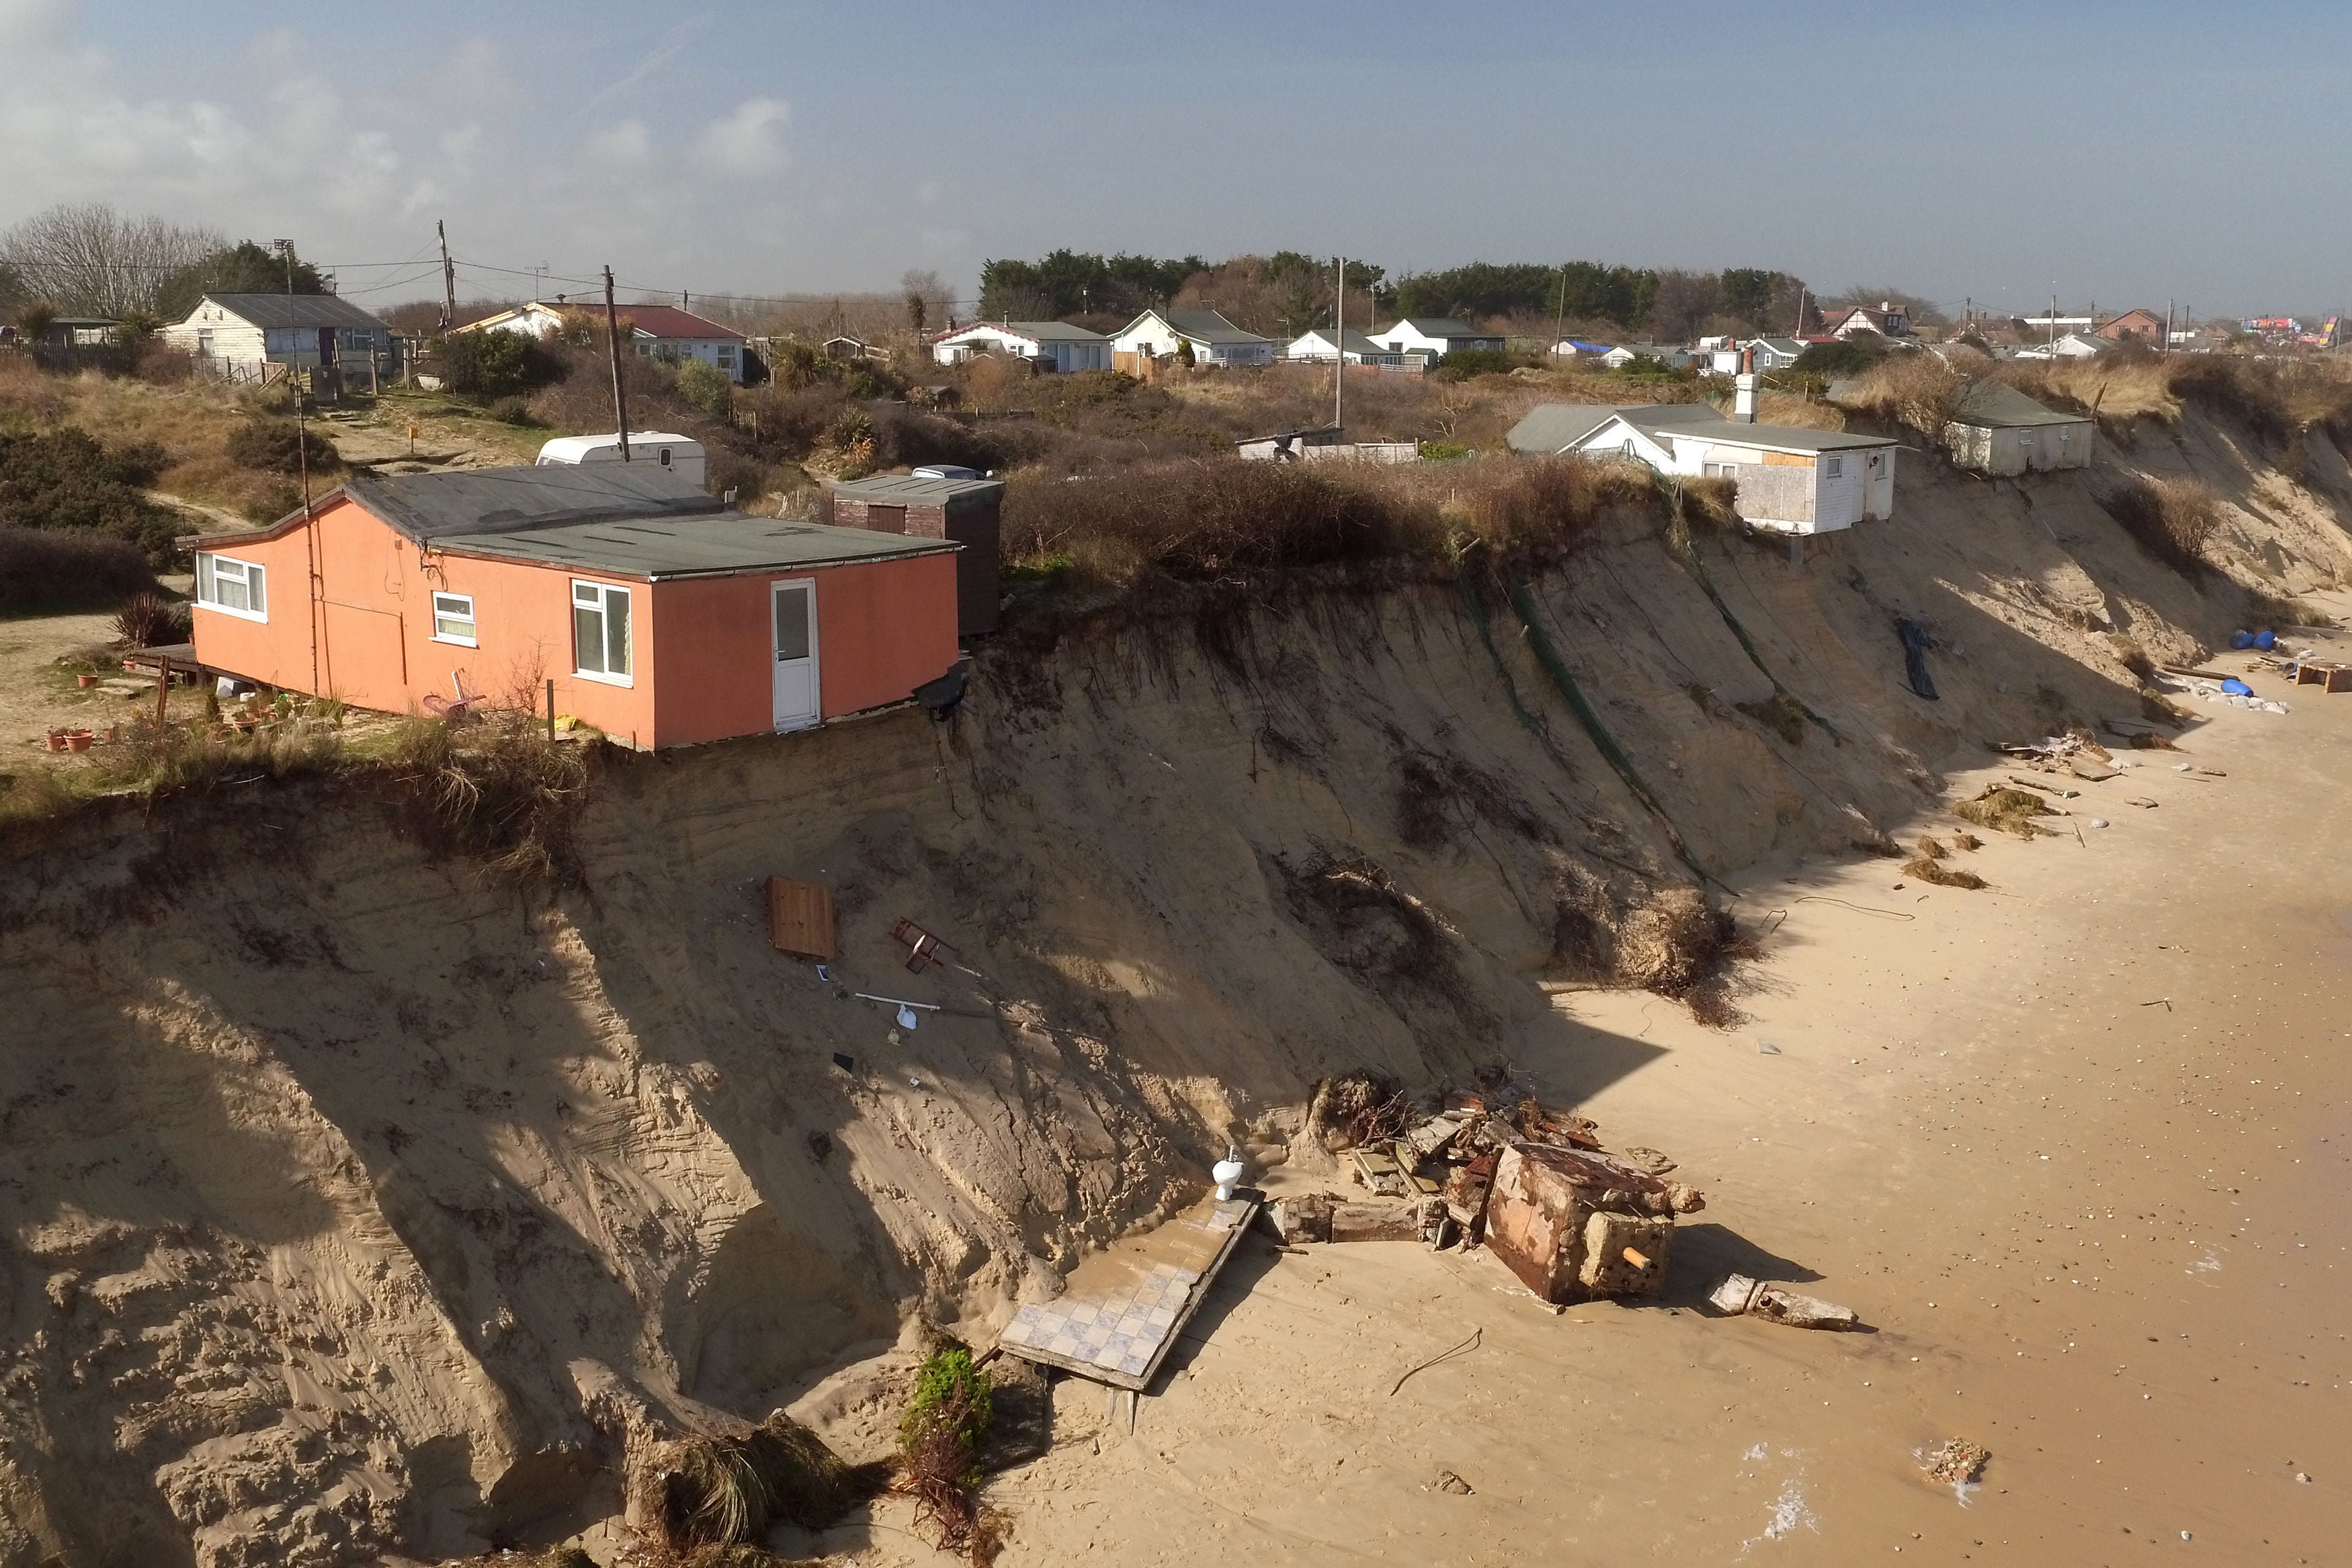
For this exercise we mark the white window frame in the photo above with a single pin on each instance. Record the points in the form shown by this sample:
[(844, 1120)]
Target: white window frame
[(251, 574), (603, 593), (1833, 467), (473, 630)]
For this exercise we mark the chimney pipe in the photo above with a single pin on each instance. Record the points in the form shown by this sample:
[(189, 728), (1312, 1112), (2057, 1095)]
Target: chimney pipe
[(1743, 394)]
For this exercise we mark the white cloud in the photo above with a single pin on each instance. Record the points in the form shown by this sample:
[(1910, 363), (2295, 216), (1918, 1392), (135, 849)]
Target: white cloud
[(627, 145), (748, 142)]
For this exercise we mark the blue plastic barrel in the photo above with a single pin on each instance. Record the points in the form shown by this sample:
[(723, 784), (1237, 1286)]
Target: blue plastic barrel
[(2265, 641), (2242, 639)]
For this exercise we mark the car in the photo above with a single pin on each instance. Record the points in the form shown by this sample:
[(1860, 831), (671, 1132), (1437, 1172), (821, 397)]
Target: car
[(946, 471)]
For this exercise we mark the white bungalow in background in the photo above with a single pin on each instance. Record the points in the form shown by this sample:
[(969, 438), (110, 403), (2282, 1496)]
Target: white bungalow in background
[(1996, 429), (1578, 349), (1770, 354), (1157, 334), (1064, 347), (2073, 346), (1315, 347), (304, 330), (1888, 320), (1433, 337), (1668, 354), (662, 332), (1791, 481)]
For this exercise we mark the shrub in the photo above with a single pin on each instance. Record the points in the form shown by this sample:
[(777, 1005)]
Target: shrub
[(148, 620), (512, 411), (705, 387), (46, 572), (747, 477), (494, 364), (1844, 357), (2171, 519), (280, 447), (69, 480), (939, 1436), (1476, 361)]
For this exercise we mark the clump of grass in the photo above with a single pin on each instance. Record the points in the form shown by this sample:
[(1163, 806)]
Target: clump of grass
[(182, 758), (714, 1493), (35, 796), (1782, 713), (1924, 868), (939, 1438), (2172, 519), (1930, 848), (494, 788), (1671, 943), (2005, 810), (1918, 392), (1968, 841)]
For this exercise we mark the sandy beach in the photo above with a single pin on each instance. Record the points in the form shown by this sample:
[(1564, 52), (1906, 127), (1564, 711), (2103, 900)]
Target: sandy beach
[(2073, 1146)]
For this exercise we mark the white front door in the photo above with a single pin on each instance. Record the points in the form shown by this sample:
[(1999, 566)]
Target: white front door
[(794, 620)]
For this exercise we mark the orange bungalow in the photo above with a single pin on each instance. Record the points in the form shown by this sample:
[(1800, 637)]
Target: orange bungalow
[(662, 617)]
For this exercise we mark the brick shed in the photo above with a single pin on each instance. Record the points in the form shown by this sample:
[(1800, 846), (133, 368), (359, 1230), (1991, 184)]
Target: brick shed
[(962, 511)]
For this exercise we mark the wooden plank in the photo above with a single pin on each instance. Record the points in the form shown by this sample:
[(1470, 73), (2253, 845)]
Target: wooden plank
[(800, 919)]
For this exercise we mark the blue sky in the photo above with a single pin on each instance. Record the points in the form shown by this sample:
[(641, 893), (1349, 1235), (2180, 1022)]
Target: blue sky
[(2123, 153)]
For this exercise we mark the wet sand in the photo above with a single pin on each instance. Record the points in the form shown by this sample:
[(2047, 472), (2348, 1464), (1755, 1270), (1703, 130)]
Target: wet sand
[(2073, 1146)]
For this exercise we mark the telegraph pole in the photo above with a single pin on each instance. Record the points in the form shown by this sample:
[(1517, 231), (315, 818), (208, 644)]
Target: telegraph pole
[(1560, 317), (286, 248), (448, 278), (613, 342), (1339, 345)]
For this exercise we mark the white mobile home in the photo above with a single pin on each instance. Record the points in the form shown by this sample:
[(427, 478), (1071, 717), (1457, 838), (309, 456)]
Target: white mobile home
[(656, 448), (1065, 347), (1790, 480)]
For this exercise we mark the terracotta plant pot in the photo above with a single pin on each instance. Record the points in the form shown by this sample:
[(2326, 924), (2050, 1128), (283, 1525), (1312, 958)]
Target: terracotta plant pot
[(56, 740), (79, 739), (85, 682)]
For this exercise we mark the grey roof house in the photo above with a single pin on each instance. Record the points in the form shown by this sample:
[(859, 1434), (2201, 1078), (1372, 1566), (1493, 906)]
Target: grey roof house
[(1789, 480), (303, 330)]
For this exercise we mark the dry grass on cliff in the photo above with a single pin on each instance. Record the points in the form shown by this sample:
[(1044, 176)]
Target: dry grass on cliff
[(1211, 520), (1917, 392)]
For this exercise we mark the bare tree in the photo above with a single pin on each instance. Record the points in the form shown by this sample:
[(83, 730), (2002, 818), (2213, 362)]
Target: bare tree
[(928, 299), (92, 260), (1683, 302)]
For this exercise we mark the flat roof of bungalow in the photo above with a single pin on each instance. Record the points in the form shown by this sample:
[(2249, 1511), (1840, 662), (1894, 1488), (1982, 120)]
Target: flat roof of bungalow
[(635, 519), (656, 549), (917, 490)]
